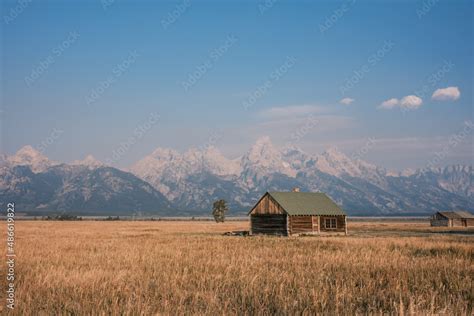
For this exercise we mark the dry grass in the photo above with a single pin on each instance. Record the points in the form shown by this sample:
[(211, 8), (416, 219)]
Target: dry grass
[(190, 268)]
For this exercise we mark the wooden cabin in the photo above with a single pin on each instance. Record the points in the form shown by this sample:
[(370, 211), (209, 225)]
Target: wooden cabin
[(293, 213), (452, 219)]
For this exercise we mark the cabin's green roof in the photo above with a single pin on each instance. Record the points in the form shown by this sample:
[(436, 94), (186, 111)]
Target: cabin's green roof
[(306, 203)]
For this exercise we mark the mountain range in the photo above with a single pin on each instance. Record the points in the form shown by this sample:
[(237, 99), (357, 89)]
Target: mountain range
[(167, 182)]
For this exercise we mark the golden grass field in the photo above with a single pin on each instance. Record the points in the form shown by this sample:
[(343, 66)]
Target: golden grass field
[(164, 267)]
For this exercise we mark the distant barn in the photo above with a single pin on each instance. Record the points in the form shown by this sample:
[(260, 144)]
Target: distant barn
[(290, 213), (452, 219)]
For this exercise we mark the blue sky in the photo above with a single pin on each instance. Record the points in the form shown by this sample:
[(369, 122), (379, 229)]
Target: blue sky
[(83, 78)]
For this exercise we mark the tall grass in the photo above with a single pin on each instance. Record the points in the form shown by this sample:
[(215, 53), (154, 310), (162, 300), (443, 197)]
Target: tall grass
[(190, 268)]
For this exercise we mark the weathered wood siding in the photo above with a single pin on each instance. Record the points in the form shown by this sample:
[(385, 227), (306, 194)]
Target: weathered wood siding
[(315, 222), (301, 224), (462, 222), (269, 224), (469, 222), (340, 224), (267, 205), (438, 220)]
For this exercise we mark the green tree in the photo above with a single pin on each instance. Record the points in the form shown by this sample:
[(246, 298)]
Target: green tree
[(219, 208)]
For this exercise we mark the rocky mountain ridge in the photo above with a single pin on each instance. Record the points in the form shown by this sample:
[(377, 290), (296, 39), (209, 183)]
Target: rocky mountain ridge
[(168, 182)]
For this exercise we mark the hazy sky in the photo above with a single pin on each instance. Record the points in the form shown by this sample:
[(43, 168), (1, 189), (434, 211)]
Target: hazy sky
[(98, 77)]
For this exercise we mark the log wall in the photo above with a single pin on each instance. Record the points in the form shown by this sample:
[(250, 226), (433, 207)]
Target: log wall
[(466, 222), (469, 222), (268, 224), (439, 222), (301, 224)]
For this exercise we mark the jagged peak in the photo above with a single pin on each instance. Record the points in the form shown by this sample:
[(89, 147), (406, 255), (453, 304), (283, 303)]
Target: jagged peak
[(206, 153), (161, 152), (263, 140), (408, 172), (29, 156), (89, 161), (262, 150), (292, 149), (29, 151), (261, 146), (212, 150), (335, 162), (334, 152), (3, 160)]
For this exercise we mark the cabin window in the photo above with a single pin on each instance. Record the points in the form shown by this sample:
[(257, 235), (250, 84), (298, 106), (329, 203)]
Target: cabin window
[(330, 223)]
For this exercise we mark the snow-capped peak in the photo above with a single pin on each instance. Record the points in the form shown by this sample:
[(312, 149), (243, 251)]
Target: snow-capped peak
[(165, 154), (88, 161), (28, 156), (29, 153), (336, 163), (296, 157), (335, 154), (263, 140), (159, 161), (263, 152), (214, 161), (3, 160), (408, 172), (263, 158)]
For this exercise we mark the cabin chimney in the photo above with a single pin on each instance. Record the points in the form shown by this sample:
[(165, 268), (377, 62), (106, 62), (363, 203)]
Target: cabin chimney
[(295, 189)]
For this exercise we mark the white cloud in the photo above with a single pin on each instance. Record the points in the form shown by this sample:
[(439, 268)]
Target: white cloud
[(411, 102), (346, 101), (446, 94), (291, 111), (389, 104)]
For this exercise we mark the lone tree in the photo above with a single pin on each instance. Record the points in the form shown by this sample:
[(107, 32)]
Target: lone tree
[(219, 208)]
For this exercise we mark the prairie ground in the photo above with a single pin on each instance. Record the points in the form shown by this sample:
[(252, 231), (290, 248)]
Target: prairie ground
[(162, 267)]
